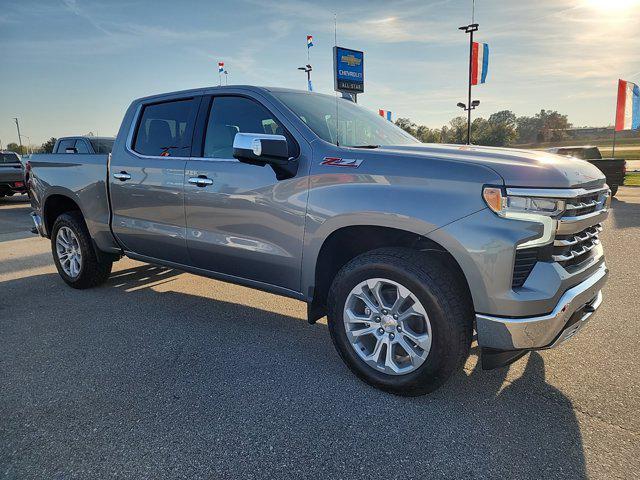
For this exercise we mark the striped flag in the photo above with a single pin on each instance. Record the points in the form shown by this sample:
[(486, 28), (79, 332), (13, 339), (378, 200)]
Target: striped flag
[(220, 67), (309, 41), (385, 113), (479, 63), (628, 108)]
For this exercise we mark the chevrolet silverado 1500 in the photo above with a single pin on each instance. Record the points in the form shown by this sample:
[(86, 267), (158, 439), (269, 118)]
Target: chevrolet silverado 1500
[(407, 248)]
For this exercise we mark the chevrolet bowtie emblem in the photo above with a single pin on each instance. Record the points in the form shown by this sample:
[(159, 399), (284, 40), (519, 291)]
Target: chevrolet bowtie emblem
[(351, 60)]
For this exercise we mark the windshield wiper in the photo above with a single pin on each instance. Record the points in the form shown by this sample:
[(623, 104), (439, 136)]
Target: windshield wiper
[(365, 146)]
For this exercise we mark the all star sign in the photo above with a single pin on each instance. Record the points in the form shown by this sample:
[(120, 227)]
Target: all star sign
[(348, 70)]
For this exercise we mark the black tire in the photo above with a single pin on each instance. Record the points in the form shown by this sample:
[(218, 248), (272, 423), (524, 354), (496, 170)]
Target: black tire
[(445, 300), (614, 190), (92, 271)]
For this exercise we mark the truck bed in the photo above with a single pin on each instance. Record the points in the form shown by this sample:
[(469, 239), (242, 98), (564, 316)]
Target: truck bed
[(81, 178)]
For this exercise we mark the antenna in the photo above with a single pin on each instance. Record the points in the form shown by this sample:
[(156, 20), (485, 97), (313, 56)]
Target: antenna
[(335, 43), (473, 11)]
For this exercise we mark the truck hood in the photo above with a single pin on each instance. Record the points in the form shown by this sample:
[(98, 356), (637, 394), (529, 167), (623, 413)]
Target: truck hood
[(518, 168)]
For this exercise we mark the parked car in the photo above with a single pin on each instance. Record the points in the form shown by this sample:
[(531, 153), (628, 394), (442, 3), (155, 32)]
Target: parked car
[(11, 174), (84, 144), (614, 169), (406, 247)]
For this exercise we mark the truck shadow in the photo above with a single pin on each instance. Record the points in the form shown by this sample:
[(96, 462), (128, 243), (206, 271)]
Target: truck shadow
[(236, 390)]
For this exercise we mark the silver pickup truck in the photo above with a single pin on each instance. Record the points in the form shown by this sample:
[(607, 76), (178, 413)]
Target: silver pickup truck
[(407, 248)]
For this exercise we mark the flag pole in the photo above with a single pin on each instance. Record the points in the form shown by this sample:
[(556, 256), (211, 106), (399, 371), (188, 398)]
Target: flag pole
[(473, 27), (470, 81)]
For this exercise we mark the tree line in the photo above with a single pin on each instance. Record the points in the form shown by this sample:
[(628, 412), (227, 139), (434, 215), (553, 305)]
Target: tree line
[(46, 147), (502, 128)]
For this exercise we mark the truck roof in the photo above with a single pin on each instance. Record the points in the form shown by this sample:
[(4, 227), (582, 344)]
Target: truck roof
[(254, 88), (88, 137)]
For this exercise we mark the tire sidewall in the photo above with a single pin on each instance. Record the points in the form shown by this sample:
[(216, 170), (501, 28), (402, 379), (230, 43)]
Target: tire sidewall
[(434, 369), (65, 220)]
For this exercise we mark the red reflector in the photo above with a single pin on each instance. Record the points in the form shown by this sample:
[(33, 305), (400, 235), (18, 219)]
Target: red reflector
[(18, 184)]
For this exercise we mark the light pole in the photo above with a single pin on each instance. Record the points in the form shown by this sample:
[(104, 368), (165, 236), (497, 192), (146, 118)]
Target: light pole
[(19, 137), (472, 106), (307, 69)]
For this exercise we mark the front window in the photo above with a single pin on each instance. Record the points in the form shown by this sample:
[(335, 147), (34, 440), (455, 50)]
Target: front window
[(355, 125), (231, 115)]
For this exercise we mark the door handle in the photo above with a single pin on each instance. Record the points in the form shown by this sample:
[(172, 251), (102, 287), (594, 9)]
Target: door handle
[(201, 181), (122, 176)]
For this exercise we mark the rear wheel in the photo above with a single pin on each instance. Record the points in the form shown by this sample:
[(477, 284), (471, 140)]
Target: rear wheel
[(614, 190), (73, 253), (400, 320)]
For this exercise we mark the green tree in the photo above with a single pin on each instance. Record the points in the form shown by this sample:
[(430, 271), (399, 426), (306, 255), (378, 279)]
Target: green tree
[(407, 125), (458, 131), (47, 147), (14, 147)]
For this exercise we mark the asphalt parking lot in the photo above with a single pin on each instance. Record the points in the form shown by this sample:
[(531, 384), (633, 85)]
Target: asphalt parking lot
[(162, 374)]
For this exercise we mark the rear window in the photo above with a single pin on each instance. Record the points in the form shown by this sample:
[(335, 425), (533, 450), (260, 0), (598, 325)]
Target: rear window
[(64, 144), (582, 153), (165, 129), (9, 158)]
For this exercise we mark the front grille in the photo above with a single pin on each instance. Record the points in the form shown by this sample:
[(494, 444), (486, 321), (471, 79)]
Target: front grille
[(569, 250), (526, 259), (583, 205), (576, 237)]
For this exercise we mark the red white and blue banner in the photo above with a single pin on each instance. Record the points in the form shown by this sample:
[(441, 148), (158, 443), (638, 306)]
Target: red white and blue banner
[(309, 41), (479, 62), (628, 108), (386, 114), (220, 67)]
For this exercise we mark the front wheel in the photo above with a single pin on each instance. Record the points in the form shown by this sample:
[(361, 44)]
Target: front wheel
[(614, 190), (73, 253), (400, 320)]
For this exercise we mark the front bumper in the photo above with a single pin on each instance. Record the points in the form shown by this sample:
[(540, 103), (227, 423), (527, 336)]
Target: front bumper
[(570, 314)]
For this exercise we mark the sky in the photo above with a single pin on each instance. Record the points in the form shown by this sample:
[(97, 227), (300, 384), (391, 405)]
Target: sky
[(73, 66)]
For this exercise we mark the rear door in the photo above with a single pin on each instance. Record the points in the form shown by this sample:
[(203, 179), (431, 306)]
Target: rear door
[(243, 221), (147, 177)]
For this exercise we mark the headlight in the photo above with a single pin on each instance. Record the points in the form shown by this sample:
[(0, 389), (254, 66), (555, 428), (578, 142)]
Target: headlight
[(533, 209), (508, 205)]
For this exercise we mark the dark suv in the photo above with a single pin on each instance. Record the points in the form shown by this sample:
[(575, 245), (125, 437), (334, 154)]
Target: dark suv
[(11, 174)]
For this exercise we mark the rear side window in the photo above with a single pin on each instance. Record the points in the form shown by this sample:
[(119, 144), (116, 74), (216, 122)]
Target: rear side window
[(165, 129), (102, 145), (64, 144), (81, 146), (230, 115)]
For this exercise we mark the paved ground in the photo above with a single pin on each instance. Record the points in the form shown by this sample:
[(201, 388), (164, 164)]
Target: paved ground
[(161, 374)]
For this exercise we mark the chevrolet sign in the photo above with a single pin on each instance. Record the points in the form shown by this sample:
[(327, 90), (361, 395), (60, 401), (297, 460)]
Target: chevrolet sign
[(348, 70)]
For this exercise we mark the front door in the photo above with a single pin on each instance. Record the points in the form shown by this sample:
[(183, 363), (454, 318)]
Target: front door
[(241, 220), (147, 181)]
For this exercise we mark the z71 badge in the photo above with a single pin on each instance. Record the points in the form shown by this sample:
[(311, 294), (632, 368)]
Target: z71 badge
[(341, 162)]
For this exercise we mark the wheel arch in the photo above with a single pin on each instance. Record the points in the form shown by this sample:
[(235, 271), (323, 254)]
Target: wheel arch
[(347, 242), (56, 204)]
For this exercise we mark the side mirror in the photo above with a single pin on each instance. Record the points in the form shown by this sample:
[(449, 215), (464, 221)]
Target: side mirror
[(262, 149)]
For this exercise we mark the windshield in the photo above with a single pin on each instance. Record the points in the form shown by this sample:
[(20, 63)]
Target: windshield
[(102, 145), (357, 126)]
